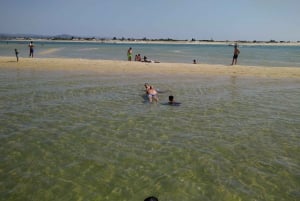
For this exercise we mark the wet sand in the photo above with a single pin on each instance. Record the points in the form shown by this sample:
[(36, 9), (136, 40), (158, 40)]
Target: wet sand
[(50, 51)]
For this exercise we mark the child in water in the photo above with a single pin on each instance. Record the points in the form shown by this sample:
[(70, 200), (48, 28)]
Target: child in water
[(172, 102), (152, 198)]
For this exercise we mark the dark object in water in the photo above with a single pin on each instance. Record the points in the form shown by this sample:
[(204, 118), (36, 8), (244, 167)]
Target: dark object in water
[(152, 198)]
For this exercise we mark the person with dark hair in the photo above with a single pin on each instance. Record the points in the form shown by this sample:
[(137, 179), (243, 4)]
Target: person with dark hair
[(149, 61), (31, 49), (172, 102), (151, 198), (129, 54), (236, 53), (17, 54), (139, 57)]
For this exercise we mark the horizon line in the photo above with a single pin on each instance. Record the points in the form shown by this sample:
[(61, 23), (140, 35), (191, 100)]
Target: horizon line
[(123, 38)]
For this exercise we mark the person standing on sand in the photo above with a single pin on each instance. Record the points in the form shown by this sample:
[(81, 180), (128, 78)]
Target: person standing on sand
[(17, 55), (31, 49), (236, 53), (129, 54)]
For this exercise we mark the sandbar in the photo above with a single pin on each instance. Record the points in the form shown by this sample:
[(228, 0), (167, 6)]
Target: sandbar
[(141, 68)]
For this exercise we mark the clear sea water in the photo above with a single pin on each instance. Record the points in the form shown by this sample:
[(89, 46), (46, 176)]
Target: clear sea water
[(81, 135), (87, 136), (174, 53)]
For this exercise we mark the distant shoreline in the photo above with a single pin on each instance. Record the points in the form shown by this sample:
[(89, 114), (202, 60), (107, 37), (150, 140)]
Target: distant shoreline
[(179, 42)]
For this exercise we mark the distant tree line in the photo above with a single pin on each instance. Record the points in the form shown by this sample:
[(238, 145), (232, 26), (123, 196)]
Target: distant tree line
[(75, 38)]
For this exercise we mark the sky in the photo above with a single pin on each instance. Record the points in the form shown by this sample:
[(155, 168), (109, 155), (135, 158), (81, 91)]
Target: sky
[(154, 19)]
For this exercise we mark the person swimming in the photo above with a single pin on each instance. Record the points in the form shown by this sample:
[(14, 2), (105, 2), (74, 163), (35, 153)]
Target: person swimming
[(172, 102), (147, 87), (151, 198), (152, 94)]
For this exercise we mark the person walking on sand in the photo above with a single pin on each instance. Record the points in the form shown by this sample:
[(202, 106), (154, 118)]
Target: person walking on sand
[(31, 49), (236, 53), (129, 54), (17, 55)]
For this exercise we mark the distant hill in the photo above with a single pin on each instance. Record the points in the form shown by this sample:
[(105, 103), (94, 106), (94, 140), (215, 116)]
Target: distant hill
[(14, 36), (34, 36)]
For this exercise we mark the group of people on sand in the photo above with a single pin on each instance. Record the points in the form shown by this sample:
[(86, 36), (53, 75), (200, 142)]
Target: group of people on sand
[(152, 95), (138, 57), (31, 50), (145, 59)]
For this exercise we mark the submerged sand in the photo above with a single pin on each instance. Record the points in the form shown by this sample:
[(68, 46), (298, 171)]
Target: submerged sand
[(126, 67)]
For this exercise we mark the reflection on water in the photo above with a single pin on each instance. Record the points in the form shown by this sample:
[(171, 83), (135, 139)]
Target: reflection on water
[(86, 136)]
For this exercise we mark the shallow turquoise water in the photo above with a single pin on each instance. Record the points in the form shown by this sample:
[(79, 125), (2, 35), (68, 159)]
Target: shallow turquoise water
[(86, 136), (173, 53)]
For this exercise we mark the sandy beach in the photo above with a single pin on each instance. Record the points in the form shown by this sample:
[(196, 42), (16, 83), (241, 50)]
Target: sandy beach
[(124, 67)]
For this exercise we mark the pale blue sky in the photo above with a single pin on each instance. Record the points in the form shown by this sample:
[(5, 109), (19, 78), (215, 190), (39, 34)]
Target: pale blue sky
[(177, 19)]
